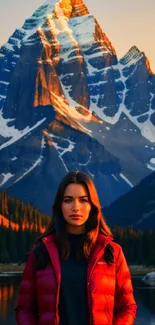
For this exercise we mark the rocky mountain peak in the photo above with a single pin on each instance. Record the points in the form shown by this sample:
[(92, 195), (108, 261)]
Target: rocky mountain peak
[(70, 8), (134, 55)]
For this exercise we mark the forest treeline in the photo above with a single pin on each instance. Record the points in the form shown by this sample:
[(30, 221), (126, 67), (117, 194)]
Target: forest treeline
[(21, 224)]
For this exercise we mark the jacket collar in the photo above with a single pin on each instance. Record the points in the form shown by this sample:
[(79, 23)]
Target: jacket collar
[(49, 238), (102, 240), (49, 242), (97, 253), (99, 247)]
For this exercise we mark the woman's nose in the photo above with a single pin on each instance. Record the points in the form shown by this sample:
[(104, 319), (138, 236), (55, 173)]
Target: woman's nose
[(75, 206), (75, 209)]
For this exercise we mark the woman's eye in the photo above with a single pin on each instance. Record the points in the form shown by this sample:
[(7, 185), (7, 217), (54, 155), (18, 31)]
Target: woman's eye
[(67, 200), (84, 200)]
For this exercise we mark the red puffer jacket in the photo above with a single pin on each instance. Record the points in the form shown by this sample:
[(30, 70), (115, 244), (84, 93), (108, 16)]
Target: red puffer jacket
[(110, 293)]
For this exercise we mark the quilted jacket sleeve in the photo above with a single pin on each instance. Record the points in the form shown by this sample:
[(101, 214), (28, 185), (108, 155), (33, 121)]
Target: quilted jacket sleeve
[(125, 305), (26, 308)]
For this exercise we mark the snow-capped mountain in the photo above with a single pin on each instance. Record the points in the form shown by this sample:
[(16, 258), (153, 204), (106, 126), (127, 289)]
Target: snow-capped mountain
[(66, 103)]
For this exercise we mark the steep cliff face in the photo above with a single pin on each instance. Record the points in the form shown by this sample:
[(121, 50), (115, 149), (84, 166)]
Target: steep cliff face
[(139, 91), (63, 52), (66, 103)]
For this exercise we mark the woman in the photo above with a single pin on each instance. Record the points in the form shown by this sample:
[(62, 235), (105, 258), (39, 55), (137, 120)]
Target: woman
[(76, 274)]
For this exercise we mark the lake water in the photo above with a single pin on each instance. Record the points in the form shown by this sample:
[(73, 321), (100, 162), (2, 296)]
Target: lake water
[(144, 295)]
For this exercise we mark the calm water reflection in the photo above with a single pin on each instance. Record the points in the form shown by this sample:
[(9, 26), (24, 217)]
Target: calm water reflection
[(145, 298), (8, 297)]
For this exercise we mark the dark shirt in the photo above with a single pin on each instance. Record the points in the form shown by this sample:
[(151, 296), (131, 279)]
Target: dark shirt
[(73, 302)]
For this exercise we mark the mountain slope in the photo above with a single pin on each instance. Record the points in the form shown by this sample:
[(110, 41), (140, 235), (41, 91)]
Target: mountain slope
[(136, 208)]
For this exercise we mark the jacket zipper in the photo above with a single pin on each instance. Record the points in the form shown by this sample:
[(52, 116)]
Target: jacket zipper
[(100, 253), (58, 278), (89, 303), (88, 289), (57, 301)]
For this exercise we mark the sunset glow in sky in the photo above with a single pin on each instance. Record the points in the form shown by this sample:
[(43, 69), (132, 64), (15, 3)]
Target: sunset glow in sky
[(126, 23)]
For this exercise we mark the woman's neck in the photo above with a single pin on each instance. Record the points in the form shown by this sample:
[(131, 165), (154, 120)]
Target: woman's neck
[(75, 229)]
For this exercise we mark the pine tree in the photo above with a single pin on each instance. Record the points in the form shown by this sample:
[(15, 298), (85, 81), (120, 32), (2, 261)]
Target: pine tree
[(4, 255), (12, 244)]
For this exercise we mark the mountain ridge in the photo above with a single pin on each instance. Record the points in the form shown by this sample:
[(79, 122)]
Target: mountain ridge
[(135, 53)]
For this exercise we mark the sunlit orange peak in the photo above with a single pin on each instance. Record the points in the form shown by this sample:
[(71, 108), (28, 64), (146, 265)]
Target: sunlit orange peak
[(149, 66), (66, 6)]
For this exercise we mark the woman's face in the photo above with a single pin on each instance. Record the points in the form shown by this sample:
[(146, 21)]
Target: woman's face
[(75, 208)]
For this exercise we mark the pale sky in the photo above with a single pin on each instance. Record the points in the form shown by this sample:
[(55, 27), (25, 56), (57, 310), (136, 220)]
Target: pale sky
[(125, 22)]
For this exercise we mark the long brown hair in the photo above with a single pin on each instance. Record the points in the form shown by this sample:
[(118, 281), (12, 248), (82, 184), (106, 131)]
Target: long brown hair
[(95, 224)]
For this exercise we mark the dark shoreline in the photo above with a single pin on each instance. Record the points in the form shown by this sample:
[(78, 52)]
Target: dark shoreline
[(17, 270)]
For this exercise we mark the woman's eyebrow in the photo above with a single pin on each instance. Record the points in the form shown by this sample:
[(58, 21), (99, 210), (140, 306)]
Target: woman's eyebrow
[(69, 196)]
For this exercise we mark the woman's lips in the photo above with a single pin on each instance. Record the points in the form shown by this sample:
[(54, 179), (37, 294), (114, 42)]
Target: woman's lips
[(75, 216)]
